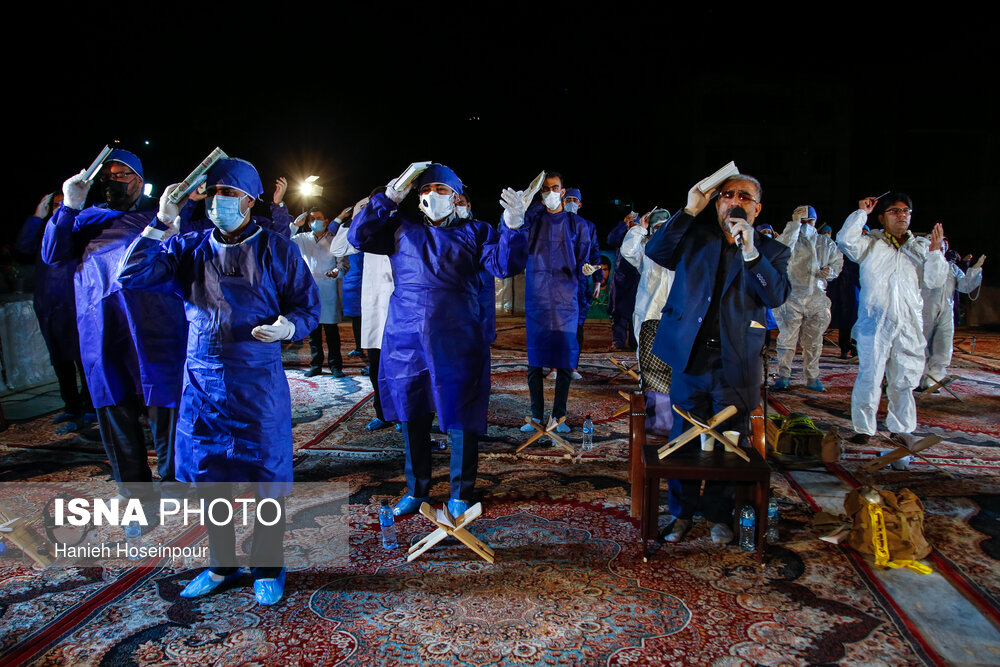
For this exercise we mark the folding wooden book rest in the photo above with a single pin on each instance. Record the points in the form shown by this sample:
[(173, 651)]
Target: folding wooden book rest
[(900, 451), (454, 526), (937, 384), (624, 369), (698, 428), (550, 431)]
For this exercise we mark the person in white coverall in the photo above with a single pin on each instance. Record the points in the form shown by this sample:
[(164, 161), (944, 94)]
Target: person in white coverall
[(654, 280), (804, 317), (939, 317), (889, 330)]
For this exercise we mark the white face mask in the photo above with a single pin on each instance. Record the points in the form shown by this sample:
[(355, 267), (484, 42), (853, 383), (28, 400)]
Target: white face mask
[(571, 207), (551, 200), (808, 230), (437, 207), (462, 211)]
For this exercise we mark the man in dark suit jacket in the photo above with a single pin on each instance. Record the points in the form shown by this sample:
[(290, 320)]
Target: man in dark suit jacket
[(714, 323)]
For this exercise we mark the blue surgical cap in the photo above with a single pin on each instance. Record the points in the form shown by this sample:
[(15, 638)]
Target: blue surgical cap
[(573, 192), (761, 228), (438, 173), (130, 160), (235, 173), (824, 228), (810, 214)]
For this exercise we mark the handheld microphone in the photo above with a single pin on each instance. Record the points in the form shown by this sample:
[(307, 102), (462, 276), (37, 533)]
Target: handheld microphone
[(742, 215)]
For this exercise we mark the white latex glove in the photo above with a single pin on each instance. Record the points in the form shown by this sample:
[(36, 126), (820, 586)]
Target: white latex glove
[(513, 207), (749, 251), (75, 191), (42, 210), (589, 269), (302, 219), (168, 210), (282, 329), (396, 195), (360, 205), (979, 264)]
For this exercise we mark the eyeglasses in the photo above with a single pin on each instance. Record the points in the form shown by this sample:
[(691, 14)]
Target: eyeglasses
[(744, 197), (899, 211), (120, 176)]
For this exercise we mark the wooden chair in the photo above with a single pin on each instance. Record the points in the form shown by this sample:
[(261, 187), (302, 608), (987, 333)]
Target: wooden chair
[(646, 469)]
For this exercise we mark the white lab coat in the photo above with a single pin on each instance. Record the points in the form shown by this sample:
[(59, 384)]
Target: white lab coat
[(316, 253), (889, 330), (377, 286)]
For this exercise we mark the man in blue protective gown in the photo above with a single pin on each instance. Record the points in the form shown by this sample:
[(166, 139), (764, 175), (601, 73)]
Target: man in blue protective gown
[(435, 354), (55, 309), (624, 286), (131, 344), (245, 288), (561, 250), (713, 325)]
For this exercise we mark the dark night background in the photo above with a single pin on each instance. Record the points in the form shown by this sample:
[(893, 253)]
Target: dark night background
[(629, 106)]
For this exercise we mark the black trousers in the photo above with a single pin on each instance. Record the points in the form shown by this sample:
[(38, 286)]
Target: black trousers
[(563, 378), (125, 444), (76, 398), (267, 549), (374, 354), (356, 330), (332, 333)]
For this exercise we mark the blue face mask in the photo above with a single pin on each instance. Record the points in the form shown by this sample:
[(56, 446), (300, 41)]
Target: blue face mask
[(225, 212), (317, 226)]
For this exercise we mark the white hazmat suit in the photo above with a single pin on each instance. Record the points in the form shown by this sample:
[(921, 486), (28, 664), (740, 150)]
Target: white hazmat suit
[(804, 317), (939, 318), (889, 330), (654, 280)]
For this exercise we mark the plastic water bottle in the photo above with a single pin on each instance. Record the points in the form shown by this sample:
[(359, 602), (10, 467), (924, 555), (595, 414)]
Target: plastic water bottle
[(133, 540), (588, 433), (973, 346), (772, 520), (388, 523), (747, 528)]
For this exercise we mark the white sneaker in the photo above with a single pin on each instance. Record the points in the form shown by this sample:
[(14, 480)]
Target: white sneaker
[(552, 374), (677, 531), (576, 376)]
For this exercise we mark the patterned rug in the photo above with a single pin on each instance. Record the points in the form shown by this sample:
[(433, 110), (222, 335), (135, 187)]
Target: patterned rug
[(569, 584), (962, 505)]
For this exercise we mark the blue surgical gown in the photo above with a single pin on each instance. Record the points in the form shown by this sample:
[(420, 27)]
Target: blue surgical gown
[(131, 343), (55, 306), (435, 353), (235, 421), (559, 245)]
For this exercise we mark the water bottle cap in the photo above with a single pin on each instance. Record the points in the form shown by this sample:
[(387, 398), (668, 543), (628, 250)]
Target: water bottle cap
[(588, 416), (385, 502)]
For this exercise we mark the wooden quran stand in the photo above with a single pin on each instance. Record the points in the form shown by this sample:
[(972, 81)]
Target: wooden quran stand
[(451, 526)]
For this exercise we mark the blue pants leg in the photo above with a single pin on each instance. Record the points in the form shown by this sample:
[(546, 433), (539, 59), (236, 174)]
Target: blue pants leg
[(464, 463)]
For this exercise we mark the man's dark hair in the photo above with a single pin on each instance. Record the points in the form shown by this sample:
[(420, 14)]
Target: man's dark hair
[(556, 174), (891, 198), (318, 209), (744, 177), (605, 261)]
